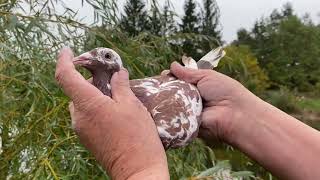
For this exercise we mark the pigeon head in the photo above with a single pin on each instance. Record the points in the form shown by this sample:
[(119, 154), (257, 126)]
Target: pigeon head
[(102, 63), (99, 60)]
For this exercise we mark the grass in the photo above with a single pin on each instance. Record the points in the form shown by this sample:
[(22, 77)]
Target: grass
[(310, 104), (283, 99)]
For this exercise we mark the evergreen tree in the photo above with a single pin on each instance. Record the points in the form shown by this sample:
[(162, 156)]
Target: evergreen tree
[(168, 21), (190, 21), (287, 10), (190, 24), (243, 37), (155, 19), (209, 26), (210, 19), (135, 19)]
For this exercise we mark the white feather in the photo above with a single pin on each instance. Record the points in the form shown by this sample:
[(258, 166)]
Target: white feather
[(214, 56), (189, 62)]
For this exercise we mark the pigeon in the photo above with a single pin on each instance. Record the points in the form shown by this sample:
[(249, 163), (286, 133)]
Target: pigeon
[(175, 105)]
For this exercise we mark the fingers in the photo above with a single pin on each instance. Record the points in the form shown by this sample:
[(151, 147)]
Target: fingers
[(187, 74), (70, 80), (120, 86)]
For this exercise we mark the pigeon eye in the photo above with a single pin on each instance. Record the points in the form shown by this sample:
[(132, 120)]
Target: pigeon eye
[(107, 56)]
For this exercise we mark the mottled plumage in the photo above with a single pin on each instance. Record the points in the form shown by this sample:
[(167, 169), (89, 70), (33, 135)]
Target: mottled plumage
[(174, 105)]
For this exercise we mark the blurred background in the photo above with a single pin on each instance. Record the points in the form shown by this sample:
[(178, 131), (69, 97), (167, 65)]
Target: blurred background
[(273, 48)]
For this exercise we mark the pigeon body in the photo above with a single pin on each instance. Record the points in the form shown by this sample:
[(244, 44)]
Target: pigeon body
[(175, 105)]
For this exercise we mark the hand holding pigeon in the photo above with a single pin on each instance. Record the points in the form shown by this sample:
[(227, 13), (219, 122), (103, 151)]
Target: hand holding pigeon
[(118, 131), (174, 105)]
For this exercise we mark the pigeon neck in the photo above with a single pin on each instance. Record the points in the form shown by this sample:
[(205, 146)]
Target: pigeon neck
[(101, 80)]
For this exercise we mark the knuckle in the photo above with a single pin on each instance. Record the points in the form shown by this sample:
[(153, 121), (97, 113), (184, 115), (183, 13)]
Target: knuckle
[(207, 71), (122, 84)]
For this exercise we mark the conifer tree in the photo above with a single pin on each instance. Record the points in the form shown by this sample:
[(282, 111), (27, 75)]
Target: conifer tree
[(168, 22), (210, 19), (190, 25), (190, 21), (135, 19), (287, 10), (155, 19)]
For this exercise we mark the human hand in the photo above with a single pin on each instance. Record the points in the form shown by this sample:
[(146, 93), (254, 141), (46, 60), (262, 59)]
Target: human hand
[(236, 116), (119, 132), (226, 102)]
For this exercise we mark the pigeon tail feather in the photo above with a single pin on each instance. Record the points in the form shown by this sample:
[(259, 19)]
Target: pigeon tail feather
[(211, 60)]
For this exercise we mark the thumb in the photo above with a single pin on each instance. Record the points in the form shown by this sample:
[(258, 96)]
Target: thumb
[(187, 74), (120, 87), (71, 81)]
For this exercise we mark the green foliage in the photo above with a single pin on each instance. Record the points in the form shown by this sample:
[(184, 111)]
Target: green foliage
[(190, 24), (242, 65), (283, 99), (309, 103), (155, 19), (135, 20), (190, 21), (287, 48), (210, 25), (202, 29), (167, 20), (210, 19)]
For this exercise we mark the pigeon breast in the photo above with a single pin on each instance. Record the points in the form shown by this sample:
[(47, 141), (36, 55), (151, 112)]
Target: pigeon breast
[(174, 105)]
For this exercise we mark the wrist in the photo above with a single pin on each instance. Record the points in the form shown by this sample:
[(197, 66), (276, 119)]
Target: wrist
[(248, 115), (139, 163), (156, 172)]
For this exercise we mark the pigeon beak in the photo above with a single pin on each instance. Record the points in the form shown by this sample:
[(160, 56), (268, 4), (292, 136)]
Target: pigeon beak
[(83, 60)]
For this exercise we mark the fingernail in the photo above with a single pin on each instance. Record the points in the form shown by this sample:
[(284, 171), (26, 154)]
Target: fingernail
[(65, 51), (175, 65), (124, 69)]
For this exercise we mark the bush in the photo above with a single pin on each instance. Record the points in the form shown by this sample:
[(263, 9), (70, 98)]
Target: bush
[(242, 65), (283, 99)]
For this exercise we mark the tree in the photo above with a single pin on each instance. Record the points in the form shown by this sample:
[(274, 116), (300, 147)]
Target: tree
[(287, 48), (210, 19), (287, 10), (190, 26), (167, 17), (155, 19), (135, 20), (243, 66), (243, 37), (190, 21), (209, 26)]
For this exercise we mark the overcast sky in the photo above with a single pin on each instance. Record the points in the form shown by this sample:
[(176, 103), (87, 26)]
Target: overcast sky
[(234, 13)]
